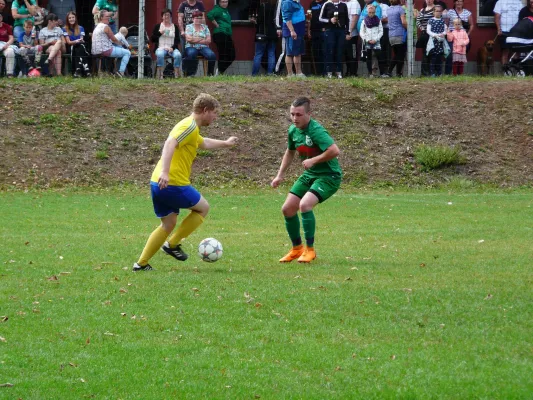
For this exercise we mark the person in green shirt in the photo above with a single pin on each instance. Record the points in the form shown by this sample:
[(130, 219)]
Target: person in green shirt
[(221, 19), (321, 179), (22, 10), (112, 7)]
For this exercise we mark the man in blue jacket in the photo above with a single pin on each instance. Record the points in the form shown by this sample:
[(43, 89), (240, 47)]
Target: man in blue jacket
[(293, 31)]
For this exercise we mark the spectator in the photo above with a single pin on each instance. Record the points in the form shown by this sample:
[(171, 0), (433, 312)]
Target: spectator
[(29, 46), (22, 10), (75, 38), (525, 12), (505, 16), (467, 24), (397, 36), (185, 11), (6, 14), (364, 12), (221, 19), (460, 40), (102, 43), (437, 30), (165, 37), (315, 32), (112, 7), (266, 37), (293, 31), (6, 46), (337, 31), (61, 8), (385, 54), (351, 49), (371, 33), (40, 18), (52, 39), (424, 15), (198, 39), (121, 37)]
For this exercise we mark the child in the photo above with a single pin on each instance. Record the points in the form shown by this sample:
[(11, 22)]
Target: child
[(436, 30), (121, 36), (371, 33), (28, 46), (460, 40)]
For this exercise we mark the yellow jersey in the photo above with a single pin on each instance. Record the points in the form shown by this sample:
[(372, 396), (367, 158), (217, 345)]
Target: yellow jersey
[(187, 134)]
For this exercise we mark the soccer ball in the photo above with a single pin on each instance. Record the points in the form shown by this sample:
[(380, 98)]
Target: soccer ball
[(210, 250)]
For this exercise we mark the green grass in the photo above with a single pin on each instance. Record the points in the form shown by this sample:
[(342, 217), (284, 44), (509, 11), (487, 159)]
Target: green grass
[(433, 157), (413, 295)]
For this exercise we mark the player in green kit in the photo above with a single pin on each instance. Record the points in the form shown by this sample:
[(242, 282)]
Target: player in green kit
[(321, 179)]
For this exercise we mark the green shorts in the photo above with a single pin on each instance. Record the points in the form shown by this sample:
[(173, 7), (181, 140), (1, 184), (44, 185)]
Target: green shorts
[(322, 186)]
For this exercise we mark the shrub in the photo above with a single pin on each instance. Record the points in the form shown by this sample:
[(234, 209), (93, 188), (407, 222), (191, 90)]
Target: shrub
[(433, 157)]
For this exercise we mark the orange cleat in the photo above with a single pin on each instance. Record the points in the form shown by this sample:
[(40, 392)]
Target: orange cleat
[(295, 252), (308, 255)]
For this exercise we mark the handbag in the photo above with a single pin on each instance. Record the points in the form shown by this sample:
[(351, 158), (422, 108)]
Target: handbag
[(423, 40)]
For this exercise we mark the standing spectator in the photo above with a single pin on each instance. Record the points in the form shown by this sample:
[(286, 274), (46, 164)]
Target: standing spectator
[(198, 40), (165, 37), (364, 12), (221, 19), (385, 55), (75, 38), (6, 14), (337, 31), (371, 33), (467, 24), (266, 36), (52, 39), (102, 43), (351, 49), (29, 49), (437, 31), (22, 10), (315, 32), (185, 11), (505, 16), (424, 15), (460, 40), (61, 8), (112, 7), (397, 36), (6, 46), (525, 12), (293, 31)]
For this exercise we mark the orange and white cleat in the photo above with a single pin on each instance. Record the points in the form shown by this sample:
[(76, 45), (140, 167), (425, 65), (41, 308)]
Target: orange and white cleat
[(294, 254), (308, 255)]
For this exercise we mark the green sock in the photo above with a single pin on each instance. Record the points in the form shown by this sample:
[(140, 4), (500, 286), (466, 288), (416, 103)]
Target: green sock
[(308, 222), (293, 229)]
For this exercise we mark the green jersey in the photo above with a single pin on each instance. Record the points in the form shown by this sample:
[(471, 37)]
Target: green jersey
[(311, 142), (223, 18)]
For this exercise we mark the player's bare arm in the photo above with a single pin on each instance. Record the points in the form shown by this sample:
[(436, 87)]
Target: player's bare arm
[(285, 163), (168, 152), (330, 153), (209, 144)]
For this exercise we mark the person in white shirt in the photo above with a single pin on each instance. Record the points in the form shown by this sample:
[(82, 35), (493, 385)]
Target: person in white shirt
[(505, 16), (351, 49)]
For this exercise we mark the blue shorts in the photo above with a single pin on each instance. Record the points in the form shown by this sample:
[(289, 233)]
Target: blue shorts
[(294, 47), (172, 198)]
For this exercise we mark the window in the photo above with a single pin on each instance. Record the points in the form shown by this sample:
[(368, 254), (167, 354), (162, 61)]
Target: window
[(242, 10), (485, 16)]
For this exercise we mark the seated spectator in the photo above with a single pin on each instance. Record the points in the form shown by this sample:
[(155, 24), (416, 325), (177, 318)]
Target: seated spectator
[(40, 18), (198, 39), (102, 43), (61, 8), (221, 19), (22, 10), (121, 36), (185, 11), (112, 7), (371, 32), (266, 36), (75, 38), (6, 46), (6, 13), (525, 12), (166, 39), (29, 48), (53, 42)]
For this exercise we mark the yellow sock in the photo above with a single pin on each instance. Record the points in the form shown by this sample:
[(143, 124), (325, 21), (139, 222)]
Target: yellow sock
[(187, 226), (155, 241)]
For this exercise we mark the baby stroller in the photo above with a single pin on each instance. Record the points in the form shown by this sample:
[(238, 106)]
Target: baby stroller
[(521, 40), (133, 40)]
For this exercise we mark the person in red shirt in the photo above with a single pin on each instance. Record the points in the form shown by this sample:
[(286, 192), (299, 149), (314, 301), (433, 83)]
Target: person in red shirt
[(6, 46)]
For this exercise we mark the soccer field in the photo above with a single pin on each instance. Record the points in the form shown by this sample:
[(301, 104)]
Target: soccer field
[(413, 295)]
